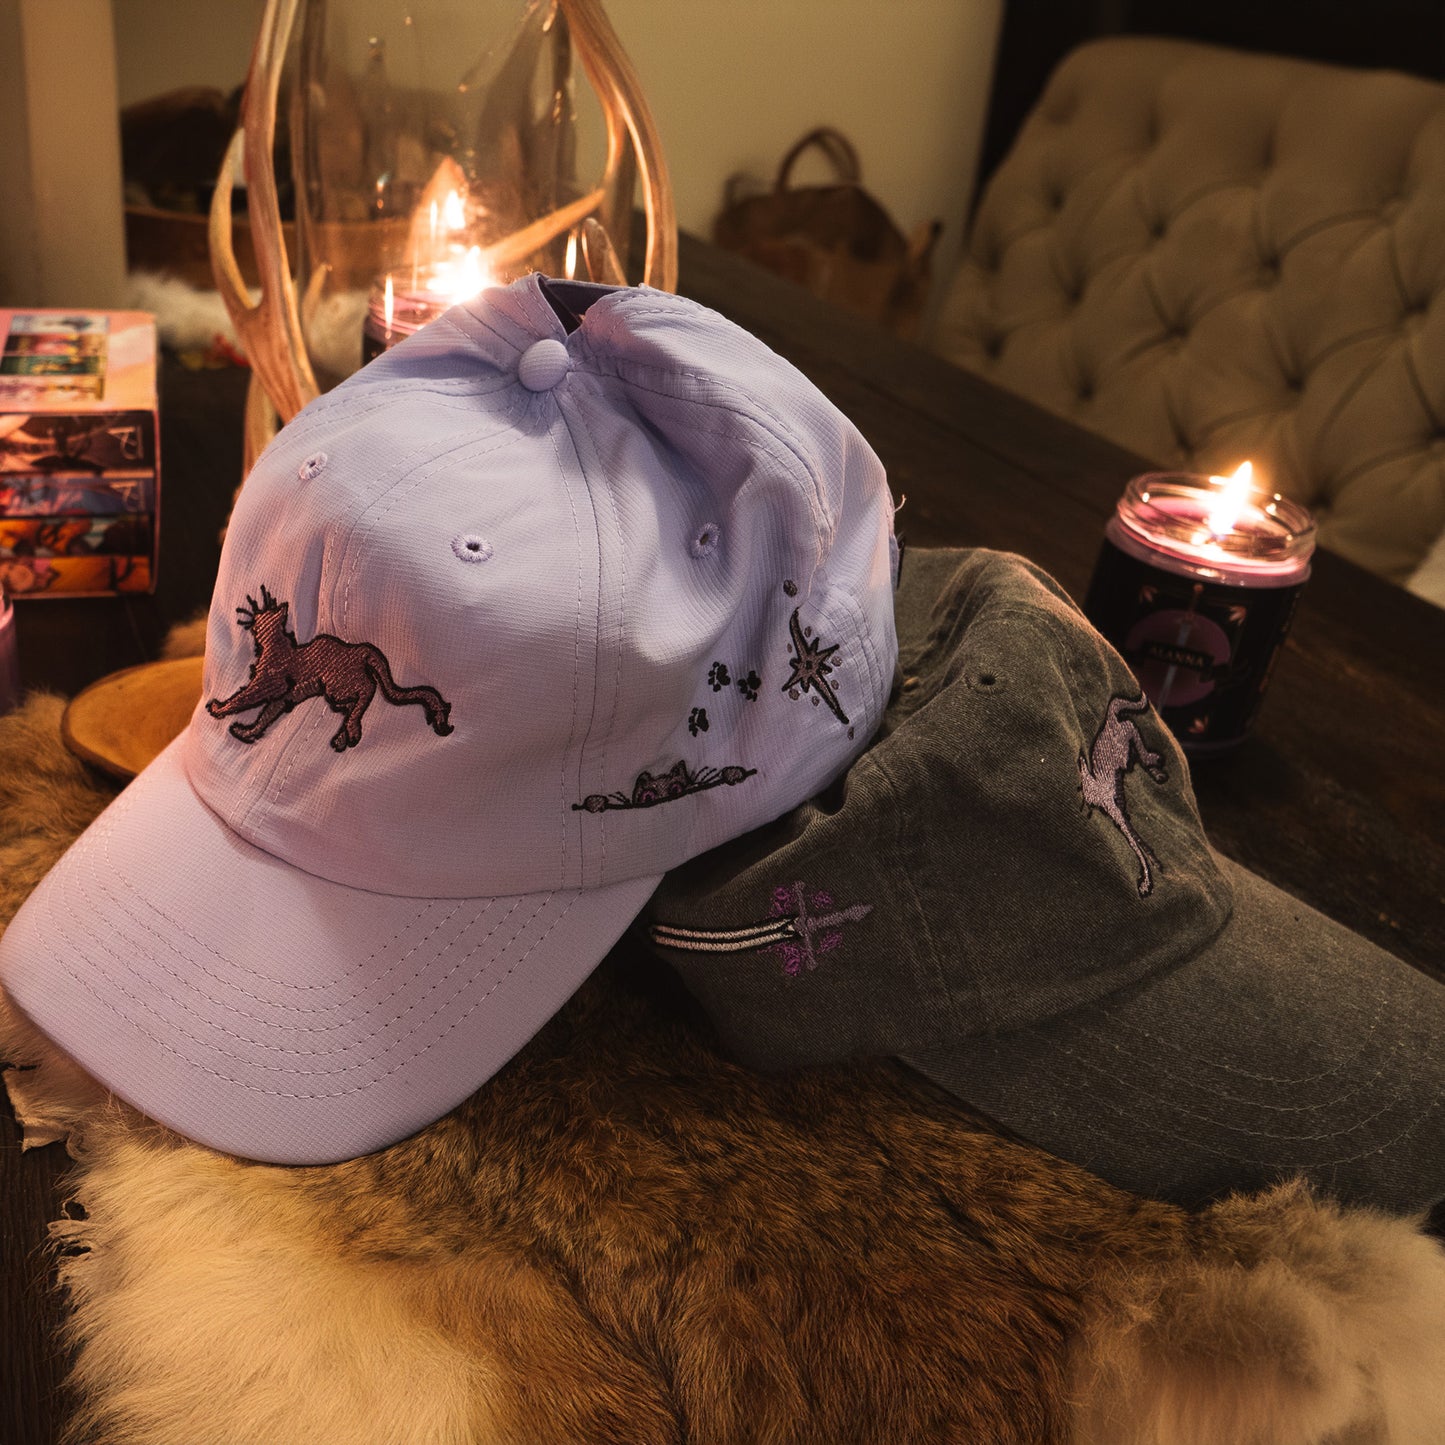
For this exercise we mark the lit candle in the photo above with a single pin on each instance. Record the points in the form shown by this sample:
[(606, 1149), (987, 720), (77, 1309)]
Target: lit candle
[(1196, 585), (394, 313), (452, 272)]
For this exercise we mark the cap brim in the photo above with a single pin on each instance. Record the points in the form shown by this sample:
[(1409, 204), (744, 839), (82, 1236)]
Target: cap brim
[(272, 1014), (1289, 1045)]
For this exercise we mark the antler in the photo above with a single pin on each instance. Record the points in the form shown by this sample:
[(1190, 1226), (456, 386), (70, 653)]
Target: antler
[(246, 616), (282, 377)]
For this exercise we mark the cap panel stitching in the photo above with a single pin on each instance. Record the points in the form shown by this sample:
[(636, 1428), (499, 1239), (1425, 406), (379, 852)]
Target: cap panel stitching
[(621, 551), (942, 987), (1061, 641), (284, 760), (542, 324), (564, 813), (400, 490), (748, 409), (868, 719), (378, 393), (339, 540), (273, 787)]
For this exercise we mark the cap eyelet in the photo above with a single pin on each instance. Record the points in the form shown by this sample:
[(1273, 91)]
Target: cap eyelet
[(469, 547), (312, 467), (704, 544)]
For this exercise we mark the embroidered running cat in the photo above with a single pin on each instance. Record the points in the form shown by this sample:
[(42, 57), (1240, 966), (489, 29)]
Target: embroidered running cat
[(285, 672), (1117, 746)]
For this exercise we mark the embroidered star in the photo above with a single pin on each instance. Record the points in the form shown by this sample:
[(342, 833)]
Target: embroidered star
[(811, 667)]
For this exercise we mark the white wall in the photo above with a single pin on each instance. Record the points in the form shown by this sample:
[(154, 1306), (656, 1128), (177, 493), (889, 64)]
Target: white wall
[(732, 83), (161, 45), (61, 242)]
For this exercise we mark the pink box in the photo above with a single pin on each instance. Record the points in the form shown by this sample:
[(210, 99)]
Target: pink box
[(79, 453)]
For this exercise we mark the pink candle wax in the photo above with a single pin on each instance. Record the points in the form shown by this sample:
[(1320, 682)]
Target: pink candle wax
[(410, 311), (1196, 585)]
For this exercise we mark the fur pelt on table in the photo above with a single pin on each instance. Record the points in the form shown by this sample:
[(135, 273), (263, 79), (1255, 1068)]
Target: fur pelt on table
[(623, 1239)]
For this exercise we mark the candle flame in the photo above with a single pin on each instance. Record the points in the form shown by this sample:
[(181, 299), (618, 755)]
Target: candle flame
[(389, 304), (1231, 502), (472, 276), (569, 265), (454, 215), (460, 278)]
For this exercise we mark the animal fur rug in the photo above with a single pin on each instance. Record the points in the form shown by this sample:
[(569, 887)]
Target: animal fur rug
[(623, 1239)]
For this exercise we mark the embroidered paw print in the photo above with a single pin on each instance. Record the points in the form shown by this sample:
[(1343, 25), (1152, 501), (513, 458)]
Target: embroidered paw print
[(718, 676), (697, 721), (749, 685)]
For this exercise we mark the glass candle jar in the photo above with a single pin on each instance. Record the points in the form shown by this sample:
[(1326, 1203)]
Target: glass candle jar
[(1196, 586), (392, 317)]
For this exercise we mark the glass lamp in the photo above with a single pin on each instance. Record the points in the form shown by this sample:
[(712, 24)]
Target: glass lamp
[(431, 148)]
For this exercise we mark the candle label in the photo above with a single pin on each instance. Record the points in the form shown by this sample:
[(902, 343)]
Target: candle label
[(1202, 651)]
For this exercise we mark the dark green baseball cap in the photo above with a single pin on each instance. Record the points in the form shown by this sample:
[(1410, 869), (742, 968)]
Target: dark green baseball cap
[(1012, 891)]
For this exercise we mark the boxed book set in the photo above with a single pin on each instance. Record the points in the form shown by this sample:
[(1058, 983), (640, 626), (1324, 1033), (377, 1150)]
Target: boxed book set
[(79, 465)]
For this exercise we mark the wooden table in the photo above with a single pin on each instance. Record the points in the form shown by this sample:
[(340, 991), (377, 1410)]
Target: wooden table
[(1337, 796)]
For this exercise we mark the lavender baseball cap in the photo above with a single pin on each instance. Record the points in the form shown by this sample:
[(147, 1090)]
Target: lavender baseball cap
[(574, 584)]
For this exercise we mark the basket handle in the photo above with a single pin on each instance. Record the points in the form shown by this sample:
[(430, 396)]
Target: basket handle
[(834, 145)]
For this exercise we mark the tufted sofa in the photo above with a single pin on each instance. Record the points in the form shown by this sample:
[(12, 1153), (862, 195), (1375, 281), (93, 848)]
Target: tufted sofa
[(1206, 256)]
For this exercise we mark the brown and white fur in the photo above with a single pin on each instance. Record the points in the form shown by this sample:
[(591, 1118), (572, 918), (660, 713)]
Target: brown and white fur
[(623, 1239)]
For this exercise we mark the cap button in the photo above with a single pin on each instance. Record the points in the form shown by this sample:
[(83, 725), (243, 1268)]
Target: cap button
[(543, 365)]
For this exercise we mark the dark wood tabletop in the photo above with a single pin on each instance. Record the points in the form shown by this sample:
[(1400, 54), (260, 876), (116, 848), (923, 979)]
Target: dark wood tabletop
[(1338, 795)]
